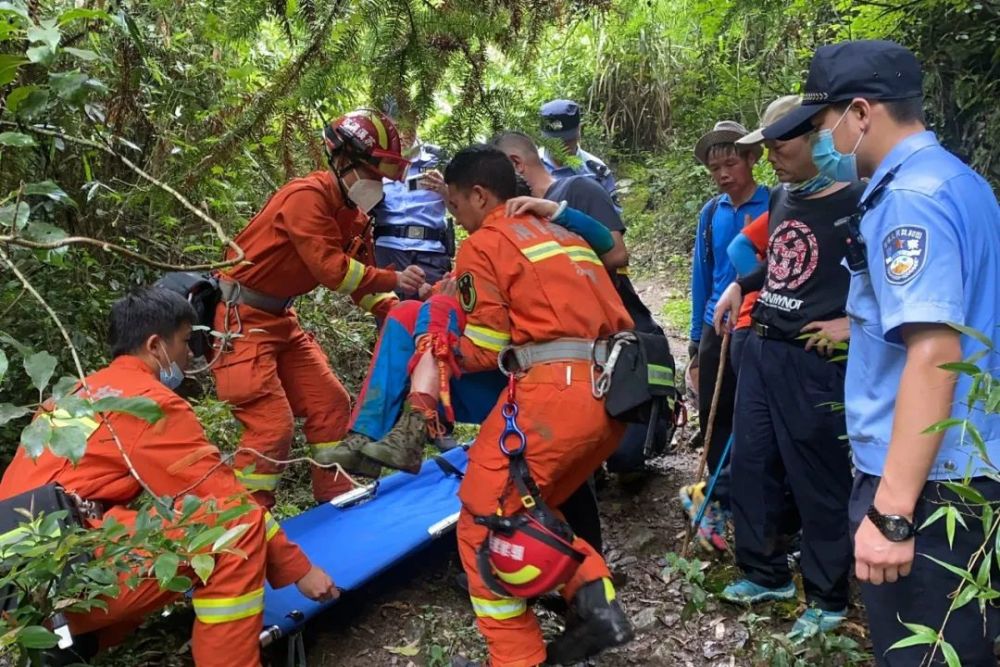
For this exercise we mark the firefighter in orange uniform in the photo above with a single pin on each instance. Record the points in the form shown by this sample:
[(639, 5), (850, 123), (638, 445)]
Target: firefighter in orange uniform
[(313, 231), (541, 289), (149, 333)]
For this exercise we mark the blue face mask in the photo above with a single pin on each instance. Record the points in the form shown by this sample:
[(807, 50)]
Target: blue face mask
[(173, 377), (832, 163), (815, 184)]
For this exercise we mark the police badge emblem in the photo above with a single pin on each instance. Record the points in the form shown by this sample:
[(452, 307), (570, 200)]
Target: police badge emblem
[(905, 252)]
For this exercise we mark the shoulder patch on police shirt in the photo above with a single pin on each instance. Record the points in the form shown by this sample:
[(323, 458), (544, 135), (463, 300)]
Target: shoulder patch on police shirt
[(905, 252), (466, 291)]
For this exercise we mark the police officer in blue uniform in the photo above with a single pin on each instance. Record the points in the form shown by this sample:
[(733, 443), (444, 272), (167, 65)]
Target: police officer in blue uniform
[(925, 252), (410, 226), (561, 120)]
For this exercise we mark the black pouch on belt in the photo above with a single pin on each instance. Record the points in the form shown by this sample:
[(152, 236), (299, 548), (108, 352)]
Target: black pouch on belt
[(641, 376), (46, 500)]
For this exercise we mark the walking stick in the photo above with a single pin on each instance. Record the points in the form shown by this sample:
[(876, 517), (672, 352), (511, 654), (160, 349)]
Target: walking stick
[(707, 440)]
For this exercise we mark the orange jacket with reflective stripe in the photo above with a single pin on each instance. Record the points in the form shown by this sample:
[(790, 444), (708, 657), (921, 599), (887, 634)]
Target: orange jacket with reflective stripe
[(524, 280), (170, 456), (299, 240)]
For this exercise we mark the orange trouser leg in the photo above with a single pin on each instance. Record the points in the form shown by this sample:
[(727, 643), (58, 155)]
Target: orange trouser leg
[(228, 609), (316, 394), (568, 437), (247, 378)]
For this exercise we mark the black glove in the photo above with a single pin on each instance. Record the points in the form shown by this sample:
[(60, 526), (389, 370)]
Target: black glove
[(692, 349)]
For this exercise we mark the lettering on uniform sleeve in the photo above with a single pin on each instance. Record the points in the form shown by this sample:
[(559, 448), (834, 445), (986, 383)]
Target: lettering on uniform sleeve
[(467, 292), (904, 250)]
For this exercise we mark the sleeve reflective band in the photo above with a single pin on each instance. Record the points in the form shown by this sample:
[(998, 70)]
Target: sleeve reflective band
[(355, 272), (224, 610), (62, 419), (488, 339), (271, 526), (501, 609), (660, 375), (580, 254), (369, 301), (258, 481)]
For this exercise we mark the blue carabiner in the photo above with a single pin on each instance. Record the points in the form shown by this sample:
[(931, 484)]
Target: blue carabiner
[(509, 412)]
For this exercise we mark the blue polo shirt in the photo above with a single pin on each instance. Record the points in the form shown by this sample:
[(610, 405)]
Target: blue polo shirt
[(933, 249), (710, 276), (402, 206), (590, 165)]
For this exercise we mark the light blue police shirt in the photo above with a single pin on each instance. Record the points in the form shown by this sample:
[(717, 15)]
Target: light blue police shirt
[(590, 165), (402, 206), (933, 250)]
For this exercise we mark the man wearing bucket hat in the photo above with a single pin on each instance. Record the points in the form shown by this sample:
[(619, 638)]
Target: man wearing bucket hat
[(786, 432), (561, 120), (721, 219), (928, 255)]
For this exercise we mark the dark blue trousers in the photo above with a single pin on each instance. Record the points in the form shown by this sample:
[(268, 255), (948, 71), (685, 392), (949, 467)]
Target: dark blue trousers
[(926, 594), (786, 429), (434, 264)]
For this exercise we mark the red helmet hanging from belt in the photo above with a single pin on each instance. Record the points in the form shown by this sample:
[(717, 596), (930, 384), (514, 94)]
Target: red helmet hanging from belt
[(525, 559), (369, 137)]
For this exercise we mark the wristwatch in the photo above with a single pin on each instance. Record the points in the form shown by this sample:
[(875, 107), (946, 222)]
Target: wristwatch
[(894, 527)]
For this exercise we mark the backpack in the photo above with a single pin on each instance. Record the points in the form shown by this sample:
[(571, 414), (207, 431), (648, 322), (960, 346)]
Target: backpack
[(202, 291)]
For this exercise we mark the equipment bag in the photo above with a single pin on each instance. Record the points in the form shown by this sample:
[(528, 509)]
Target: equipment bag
[(43, 500), (203, 293), (641, 373)]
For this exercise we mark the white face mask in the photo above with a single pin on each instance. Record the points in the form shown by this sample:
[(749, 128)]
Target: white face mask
[(365, 193)]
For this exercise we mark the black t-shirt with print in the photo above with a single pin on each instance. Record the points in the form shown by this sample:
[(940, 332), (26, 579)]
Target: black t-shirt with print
[(806, 280)]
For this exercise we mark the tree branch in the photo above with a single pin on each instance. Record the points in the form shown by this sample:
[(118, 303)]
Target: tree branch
[(111, 248), (216, 227)]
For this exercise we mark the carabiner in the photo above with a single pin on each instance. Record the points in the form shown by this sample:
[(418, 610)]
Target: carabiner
[(509, 412)]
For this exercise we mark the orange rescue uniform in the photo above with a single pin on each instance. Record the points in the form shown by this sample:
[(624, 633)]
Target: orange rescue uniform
[(756, 232), (528, 281), (170, 456), (275, 371)]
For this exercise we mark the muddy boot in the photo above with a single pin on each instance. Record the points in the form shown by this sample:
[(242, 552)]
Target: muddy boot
[(402, 448), (348, 455), (599, 623)]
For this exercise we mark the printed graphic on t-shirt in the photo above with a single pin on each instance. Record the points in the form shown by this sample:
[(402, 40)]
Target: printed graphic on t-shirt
[(792, 257), (905, 249)]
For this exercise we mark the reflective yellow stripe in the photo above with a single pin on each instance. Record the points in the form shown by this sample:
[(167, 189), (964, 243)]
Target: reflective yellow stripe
[(488, 339), (319, 446), (61, 419), (355, 272), (622, 271), (581, 254), (369, 301), (537, 253), (258, 481), (271, 526), (383, 135), (223, 610), (609, 590), (501, 609), (522, 576), (660, 375)]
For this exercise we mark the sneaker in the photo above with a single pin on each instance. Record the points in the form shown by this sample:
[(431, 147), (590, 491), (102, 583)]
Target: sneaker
[(814, 621), (402, 448), (747, 592), (348, 455)]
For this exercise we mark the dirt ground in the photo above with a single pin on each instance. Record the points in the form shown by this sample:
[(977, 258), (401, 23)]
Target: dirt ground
[(418, 616)]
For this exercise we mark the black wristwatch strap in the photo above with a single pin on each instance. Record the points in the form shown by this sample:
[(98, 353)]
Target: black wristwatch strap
[(893, 527)]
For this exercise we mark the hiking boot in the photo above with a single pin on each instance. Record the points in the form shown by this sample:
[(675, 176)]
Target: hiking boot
[(747, 592), (402, 448), (348, 455), (598, 623), (446, 443), (814, 621)]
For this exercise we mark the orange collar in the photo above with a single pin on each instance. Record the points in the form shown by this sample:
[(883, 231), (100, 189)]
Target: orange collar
[(127, 362)]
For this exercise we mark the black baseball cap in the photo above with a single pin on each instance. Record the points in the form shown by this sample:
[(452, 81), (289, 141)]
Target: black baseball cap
[(560, 119), (869, 69)]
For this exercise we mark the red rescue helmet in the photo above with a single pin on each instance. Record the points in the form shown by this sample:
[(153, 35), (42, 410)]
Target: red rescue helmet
[(369, 136), (527, 560)]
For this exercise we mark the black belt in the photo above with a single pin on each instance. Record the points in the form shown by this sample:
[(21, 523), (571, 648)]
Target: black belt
[(412, 232), (772, 333)]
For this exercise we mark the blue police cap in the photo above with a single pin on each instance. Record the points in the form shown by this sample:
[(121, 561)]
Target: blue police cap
[(561, 119), (869, 69)]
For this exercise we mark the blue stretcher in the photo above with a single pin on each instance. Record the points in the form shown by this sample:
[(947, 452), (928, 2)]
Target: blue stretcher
[(355, 543)]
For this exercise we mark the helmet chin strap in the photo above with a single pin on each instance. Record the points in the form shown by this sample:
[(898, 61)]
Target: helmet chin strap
[(340, 181)]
